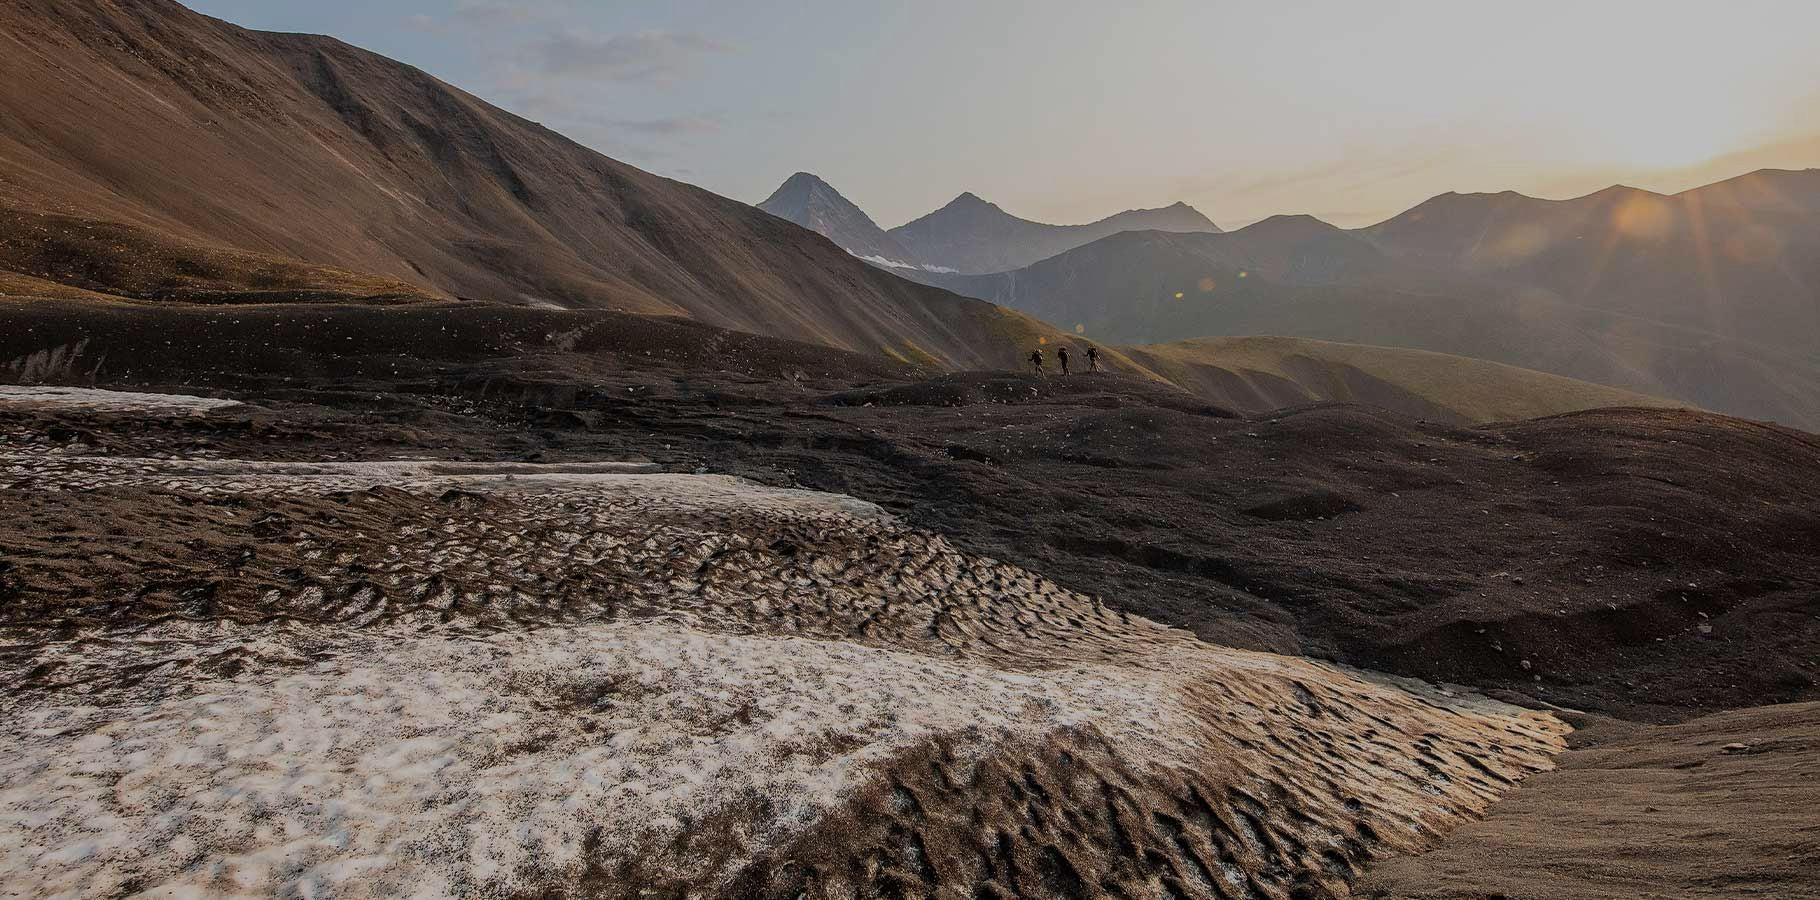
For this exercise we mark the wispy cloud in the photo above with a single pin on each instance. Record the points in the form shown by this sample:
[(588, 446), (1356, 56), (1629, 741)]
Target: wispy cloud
[(636, 56)]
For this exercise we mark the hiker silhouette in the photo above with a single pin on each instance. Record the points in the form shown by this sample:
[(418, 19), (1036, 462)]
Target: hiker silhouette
[(1093, 358), (1036, 360), (1061, 353)]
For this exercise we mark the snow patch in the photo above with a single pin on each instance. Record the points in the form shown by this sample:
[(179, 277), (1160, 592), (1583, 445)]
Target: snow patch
[(894, 264), (442, 765), (96, 400)]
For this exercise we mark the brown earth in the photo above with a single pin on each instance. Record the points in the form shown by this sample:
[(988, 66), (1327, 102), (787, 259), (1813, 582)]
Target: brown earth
[(1651, 564), (70, 336), (1721, 806), (1259, 374)]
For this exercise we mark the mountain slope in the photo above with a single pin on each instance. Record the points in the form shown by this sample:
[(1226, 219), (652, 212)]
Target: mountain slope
[(304, 148), (1100, 284), (1256, 374), (814, 204), (1739, 259), (1772, 190), (974, 237)]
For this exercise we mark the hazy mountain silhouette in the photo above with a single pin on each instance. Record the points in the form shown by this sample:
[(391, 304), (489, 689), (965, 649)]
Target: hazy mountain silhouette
[(232, 152), (968, 236), (1691, 297), (1739, 259), (972, 236), (814, 204), (1771, 190)]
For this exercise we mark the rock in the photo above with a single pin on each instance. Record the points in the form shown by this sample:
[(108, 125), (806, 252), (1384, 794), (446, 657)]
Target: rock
[(1734, 748)]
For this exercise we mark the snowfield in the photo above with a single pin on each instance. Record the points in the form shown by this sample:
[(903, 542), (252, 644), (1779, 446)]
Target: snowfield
[(580, 680)]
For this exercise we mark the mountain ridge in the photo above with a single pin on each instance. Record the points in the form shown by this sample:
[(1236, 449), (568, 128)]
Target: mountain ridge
[(975, 236), (967, 235)]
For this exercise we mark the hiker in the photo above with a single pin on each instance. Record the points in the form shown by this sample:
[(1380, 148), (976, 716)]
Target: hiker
[(1061, 353), (1036, 360), (1093, 358)]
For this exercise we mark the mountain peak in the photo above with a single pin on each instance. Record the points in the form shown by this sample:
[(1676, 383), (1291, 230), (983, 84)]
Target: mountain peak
[(1299, 225), (976, 237), (807, 200), (969, 199), (805, 178)]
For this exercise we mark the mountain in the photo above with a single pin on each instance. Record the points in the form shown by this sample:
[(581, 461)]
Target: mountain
[(814, 204), (150, 152), (1260, 374), (1107, 283), (1738, 259), (1773, 190), (1701, 297), (972, 236)]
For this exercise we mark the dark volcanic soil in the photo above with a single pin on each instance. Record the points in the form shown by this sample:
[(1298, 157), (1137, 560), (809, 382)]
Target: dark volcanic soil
[(1722, 806), (1647, 564)]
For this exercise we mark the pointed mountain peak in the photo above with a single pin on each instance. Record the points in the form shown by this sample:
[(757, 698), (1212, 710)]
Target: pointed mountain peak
[(807, 200), (970, 200), (805, 179), (797, 189)]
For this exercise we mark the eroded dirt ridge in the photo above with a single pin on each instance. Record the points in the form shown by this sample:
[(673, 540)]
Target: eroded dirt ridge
[(405, 678)]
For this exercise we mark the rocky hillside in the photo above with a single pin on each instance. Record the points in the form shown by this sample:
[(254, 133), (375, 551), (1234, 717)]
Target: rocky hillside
[(301, 151)]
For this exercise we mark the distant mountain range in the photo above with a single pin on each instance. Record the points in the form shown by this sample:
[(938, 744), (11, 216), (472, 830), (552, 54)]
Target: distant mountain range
[(1711, 296), (968, 236)]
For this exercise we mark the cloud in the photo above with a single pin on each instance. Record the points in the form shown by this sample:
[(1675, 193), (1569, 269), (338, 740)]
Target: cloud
[(637, 56)]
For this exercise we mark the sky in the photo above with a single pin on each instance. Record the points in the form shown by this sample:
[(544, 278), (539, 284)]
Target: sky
[(1066, 111)]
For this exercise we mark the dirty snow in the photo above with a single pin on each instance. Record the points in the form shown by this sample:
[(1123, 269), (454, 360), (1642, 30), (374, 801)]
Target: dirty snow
[(430, 756), (95, 400)]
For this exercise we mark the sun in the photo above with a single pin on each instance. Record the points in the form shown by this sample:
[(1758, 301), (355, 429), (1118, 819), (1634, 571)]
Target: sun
[(1663, 135)]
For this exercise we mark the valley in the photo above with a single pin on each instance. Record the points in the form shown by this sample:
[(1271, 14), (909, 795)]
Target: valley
[(403, 498)]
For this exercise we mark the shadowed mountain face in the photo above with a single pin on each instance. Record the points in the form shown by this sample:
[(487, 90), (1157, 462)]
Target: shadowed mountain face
[(277, 150), (1711, 297), (972, 236)]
